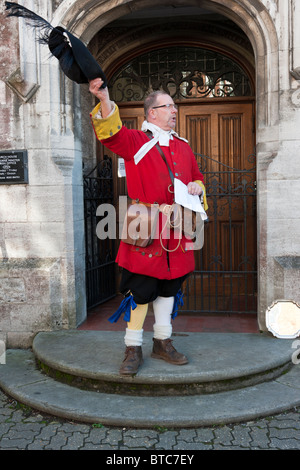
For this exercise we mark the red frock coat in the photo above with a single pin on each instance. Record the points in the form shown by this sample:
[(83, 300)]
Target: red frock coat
[(148, 181)]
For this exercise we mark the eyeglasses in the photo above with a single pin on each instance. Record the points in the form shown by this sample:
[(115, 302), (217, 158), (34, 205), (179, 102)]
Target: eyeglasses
[(169, 105)]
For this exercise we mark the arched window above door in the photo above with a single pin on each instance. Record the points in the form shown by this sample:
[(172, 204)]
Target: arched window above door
[(183, 72)]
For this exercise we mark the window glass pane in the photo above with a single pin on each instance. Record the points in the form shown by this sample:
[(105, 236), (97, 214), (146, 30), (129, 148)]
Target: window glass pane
[(184, 72)]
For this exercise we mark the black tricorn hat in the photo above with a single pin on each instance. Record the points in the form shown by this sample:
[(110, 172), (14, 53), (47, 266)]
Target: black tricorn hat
[(75, 59)]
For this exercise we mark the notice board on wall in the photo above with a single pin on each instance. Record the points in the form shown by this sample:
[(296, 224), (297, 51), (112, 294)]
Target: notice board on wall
[(13, 167)]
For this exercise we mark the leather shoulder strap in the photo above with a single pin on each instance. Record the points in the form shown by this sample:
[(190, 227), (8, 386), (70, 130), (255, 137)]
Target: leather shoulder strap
[(149, 134)]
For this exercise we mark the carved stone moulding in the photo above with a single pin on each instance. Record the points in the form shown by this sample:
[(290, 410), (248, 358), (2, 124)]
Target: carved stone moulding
[(23, 89)]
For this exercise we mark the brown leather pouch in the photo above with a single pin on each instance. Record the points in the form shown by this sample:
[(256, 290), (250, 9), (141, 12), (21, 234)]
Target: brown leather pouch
[(140, 224)]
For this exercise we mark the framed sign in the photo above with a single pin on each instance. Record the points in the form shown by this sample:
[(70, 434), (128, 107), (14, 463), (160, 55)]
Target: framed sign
[(13, 167)]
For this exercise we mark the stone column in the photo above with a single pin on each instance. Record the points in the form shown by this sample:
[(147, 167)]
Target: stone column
[(279, 171), (42, 259)]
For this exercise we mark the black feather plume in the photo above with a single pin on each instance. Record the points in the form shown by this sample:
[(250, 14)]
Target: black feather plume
[(75, 60), (31, 19)]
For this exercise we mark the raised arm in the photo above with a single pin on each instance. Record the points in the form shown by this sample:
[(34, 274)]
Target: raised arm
[(102, 95)]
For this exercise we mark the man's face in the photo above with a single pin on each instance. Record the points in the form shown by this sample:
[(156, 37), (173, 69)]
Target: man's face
[(161, 115)]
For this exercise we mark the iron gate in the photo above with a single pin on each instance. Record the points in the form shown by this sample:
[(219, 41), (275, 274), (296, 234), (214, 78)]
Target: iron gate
[(100, 254), (225, 278)]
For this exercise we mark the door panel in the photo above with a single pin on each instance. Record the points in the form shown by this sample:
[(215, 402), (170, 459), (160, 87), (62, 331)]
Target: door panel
[(221, 136), (222, 131)]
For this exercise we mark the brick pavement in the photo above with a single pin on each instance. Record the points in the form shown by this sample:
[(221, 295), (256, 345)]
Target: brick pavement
[(24, 429)]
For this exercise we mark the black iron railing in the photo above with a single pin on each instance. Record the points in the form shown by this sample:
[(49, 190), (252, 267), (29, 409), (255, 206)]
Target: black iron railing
[(100, 254), (225, 278)]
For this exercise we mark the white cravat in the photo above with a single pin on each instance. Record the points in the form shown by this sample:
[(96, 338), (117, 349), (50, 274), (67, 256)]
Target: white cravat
[(159, 135)]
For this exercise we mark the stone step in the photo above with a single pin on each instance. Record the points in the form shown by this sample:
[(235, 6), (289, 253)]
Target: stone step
[(21, 379), (217, 362), (214, 359)]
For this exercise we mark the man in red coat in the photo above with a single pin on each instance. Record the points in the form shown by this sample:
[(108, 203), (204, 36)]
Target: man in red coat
[(154, 273)]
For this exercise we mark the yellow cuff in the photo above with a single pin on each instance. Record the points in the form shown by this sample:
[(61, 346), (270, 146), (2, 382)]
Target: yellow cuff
[(205, 205), (105, 128)]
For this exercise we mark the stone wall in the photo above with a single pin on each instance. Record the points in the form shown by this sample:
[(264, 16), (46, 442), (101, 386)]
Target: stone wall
[(42, 258), (279, 166)]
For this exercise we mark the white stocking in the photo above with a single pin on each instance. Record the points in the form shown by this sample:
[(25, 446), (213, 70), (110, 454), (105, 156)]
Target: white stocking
[(162, 307), (133, 337)]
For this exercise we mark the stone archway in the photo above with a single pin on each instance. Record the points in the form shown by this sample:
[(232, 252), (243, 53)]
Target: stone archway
[(255, 21), (85, 20)]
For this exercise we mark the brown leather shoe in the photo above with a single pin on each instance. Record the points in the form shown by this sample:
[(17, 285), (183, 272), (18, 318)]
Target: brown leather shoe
[(132, 361), (164, 349)]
